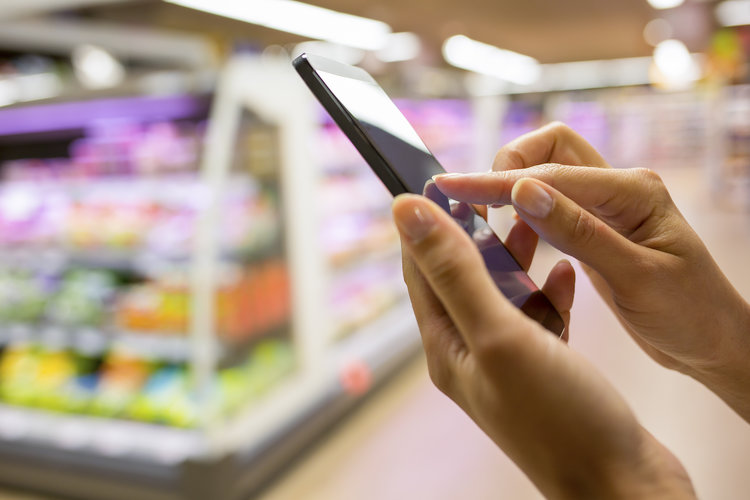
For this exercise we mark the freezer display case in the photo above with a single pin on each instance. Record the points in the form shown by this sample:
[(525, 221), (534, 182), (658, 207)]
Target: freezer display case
[(192, 287), (731, 161)]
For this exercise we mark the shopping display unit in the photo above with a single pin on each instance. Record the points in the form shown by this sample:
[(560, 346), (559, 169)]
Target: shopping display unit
[(190, 288), (194, 286)]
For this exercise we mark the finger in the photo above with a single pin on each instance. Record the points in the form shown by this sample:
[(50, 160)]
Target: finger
[(521, 243), (553, 143), (589, 187), (441, 342), (455, 271), (624, 196), (575, 231), (560, 289)]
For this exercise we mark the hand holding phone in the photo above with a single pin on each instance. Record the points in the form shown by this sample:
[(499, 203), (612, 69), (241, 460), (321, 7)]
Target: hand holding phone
[(397, 155)]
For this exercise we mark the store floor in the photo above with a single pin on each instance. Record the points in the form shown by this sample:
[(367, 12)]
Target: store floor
[(408, 441)]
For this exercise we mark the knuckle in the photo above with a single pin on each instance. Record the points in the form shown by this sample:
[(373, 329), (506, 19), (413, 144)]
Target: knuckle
[(653, 182), (560, 130), (549, 169), (508, 158), (558, 126), (444, 267), (648, 175), (585, 228)]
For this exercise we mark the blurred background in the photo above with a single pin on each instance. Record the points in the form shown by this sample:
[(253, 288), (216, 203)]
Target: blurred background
[(200, 284)]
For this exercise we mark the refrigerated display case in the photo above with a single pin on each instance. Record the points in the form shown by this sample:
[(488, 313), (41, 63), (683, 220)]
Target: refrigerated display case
[(731, 169), (188, 295)]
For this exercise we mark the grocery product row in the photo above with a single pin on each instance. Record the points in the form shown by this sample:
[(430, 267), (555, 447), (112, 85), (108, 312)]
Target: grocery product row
[(249, 301), (122, 385), (132, 216)]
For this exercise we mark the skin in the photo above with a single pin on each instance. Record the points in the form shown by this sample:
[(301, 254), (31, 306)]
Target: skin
[(576, 438), (643, 257)]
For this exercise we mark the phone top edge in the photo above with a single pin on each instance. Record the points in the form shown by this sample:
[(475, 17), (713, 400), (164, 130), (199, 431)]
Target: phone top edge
[(348, 125), (330, 66)]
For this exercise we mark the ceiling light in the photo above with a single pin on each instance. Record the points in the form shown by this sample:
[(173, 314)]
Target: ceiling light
[(299, 18), (96, 68), (733, 12), (665, 4), (400, 47), (675, 65), (479, 57), (596, 73)]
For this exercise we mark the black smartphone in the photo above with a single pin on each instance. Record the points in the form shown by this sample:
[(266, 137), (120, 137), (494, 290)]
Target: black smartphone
[(392, 148)]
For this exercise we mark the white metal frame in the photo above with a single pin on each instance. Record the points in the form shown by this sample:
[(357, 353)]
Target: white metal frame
[(271, 90)]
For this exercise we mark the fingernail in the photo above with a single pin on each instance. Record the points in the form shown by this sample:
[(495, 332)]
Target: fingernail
[(414, 222), (530, 197), (445, 176)]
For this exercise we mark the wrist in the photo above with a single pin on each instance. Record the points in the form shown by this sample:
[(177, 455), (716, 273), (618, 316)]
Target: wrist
[(654, 473), (728, 373)]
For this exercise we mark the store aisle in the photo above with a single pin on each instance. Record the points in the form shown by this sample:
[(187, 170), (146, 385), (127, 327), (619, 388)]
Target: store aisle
[(410, 442)]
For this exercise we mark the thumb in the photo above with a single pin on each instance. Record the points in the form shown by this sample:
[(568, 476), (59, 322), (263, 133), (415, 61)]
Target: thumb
[(573, 230)]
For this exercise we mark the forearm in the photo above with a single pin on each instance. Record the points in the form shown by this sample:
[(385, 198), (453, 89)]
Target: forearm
[(728, 374), (654, 473)]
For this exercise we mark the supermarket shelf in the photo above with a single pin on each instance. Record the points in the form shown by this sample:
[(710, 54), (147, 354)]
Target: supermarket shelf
[(92, 458), (363, 255), (94, 342), (103, 436), (167, 347), (54, 259), (117, 260)]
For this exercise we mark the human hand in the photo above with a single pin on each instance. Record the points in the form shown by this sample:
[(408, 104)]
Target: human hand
[(640, 253), (540, 401)]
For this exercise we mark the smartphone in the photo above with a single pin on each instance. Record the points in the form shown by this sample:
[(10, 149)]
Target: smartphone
[(397, 155)]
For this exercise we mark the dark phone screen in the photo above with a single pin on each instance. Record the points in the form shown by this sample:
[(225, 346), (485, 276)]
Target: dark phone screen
[(396, 141), (386, 128)]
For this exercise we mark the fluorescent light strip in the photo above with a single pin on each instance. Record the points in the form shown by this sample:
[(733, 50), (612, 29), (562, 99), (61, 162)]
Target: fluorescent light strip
[(299, 18), (665, 4), (596, 74), (733, 13), (29, 88), (465, 53)]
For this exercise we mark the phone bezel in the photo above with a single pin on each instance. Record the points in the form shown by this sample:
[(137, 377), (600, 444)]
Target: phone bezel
[(306, 65)]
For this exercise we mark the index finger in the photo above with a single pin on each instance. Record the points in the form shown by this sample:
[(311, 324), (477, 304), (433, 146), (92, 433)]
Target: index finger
[(621, 196), (553, 143)]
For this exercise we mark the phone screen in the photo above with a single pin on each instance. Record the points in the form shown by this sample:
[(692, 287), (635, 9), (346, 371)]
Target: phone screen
[(387, 128), (391, 146)]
